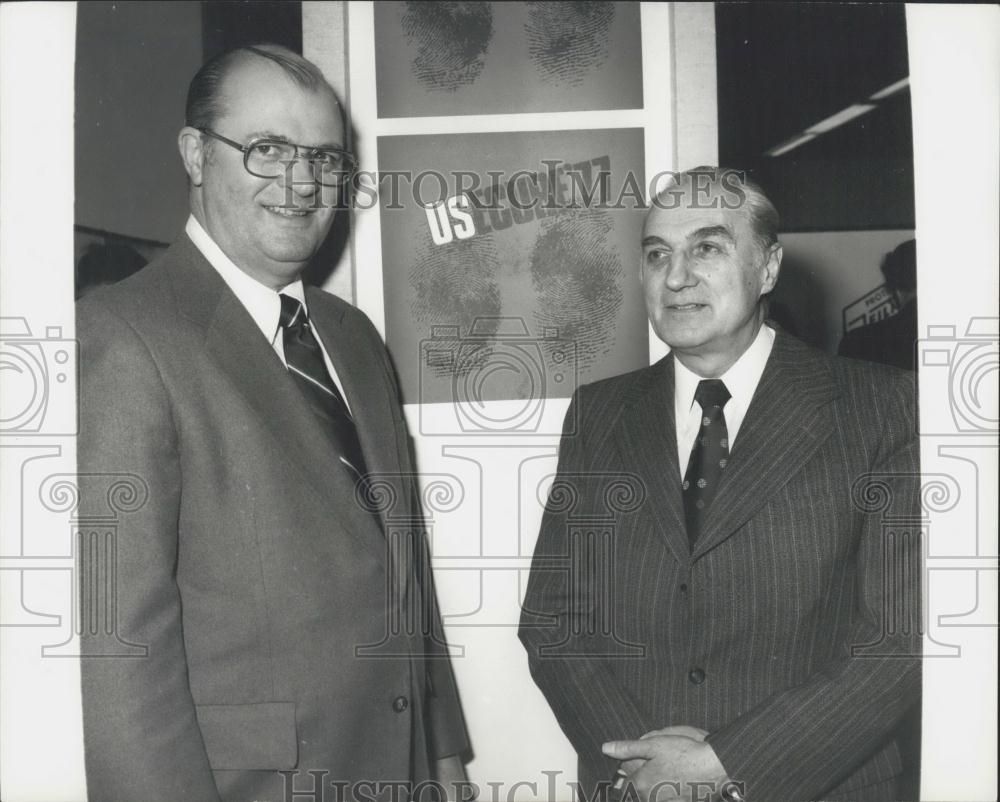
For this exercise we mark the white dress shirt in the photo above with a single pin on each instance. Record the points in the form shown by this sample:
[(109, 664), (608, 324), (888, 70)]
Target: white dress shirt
[(263, 303), (741, 380)]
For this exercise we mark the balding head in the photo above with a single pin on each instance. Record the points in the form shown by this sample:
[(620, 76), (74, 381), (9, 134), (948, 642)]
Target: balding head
[(206, 96)]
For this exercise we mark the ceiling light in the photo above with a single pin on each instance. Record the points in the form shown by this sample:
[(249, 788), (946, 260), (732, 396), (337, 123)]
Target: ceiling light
[(840, 118), (891, 89), (790, 144)]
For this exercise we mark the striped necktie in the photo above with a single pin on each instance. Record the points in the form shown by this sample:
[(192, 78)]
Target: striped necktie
[(709, 455), (305, 362)]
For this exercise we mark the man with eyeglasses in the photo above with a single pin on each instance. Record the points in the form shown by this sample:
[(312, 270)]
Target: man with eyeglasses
[(267, 630)]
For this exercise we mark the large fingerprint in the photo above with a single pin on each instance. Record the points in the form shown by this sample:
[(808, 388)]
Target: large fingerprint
[(455, 286), (577, 274), (566, 41), (450, 40)]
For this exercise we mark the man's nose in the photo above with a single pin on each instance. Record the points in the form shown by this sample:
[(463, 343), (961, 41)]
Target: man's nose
[(679, 274), (300, 177)]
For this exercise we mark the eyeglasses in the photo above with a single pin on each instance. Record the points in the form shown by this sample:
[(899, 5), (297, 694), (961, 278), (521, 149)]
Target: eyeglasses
[(271, 158)]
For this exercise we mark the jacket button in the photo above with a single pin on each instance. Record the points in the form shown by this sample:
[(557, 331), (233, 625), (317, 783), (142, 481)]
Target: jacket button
[(684, 587), (400, 703), (697, 676)]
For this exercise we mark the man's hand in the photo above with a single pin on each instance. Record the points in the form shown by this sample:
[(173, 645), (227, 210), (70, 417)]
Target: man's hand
[(698, 734), (450, 773), (670, 767)]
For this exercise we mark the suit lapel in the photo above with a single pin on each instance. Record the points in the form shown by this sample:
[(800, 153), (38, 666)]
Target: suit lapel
[(788, 419), (244, 356), (649, 440)]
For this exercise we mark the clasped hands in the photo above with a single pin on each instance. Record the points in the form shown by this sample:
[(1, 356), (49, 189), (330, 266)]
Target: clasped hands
[(674, 763)]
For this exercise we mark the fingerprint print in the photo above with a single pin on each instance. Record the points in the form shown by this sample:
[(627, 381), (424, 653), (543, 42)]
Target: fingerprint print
[(566, 41), (454, 285), (450, 39), (576, 273)]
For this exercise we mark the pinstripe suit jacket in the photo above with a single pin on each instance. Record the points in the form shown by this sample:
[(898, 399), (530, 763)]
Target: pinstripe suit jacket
[(789, 630), (277, 621)]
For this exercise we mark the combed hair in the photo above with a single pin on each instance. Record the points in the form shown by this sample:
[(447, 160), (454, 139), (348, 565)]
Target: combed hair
[(204, 99), (764, 219)]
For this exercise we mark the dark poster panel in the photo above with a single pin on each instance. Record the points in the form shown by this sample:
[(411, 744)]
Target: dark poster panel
[(529, 295), (436, 58)]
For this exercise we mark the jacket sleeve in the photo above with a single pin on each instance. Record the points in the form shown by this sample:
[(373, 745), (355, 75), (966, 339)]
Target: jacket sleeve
[(446, 732), (444, 723), (806, 739), (569, 660), (141, 735)]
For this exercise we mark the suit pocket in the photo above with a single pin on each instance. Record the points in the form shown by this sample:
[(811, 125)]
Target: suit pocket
[(247, 737)]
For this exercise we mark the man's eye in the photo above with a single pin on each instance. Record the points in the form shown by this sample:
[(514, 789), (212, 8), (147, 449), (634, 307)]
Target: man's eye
[(268, 150), (328, 159), (655, 255), (707, 249)]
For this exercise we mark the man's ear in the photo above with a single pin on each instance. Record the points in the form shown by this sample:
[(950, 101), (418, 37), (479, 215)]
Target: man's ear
[(192, 148), (771, 267)]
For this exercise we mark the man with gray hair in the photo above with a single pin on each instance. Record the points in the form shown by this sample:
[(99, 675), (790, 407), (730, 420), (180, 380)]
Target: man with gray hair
[(268, 632), (752, 631)]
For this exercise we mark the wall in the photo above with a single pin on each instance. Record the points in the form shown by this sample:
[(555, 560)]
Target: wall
[(134, 61)]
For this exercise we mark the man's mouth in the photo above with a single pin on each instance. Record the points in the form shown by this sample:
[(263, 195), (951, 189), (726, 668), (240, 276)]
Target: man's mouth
[(284, 211), (685, 307)]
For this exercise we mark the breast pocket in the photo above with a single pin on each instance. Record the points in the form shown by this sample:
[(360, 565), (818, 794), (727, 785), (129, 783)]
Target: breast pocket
[(249, 737)]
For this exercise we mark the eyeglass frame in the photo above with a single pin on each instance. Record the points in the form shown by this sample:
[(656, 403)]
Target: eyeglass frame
[(245, 150)]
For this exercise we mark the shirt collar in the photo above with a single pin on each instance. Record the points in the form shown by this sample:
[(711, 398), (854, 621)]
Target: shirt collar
[(260, 301), (741, 379)]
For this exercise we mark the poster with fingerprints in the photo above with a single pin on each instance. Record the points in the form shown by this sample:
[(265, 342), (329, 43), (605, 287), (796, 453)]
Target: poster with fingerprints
[(510, 267), (443, 59)]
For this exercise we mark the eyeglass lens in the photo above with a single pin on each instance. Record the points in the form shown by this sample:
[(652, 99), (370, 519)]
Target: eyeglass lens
[(272, 159)]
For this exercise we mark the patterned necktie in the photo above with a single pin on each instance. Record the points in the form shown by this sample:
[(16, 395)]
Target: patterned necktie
[(305, 362), (709, 455)]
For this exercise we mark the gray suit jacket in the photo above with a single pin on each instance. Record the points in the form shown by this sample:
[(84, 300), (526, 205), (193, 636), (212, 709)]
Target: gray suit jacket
[(261, 619), (790, 631)]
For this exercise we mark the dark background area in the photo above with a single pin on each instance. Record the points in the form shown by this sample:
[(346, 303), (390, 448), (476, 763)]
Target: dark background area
[(227, 24), (846, 196), (783, 67)]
